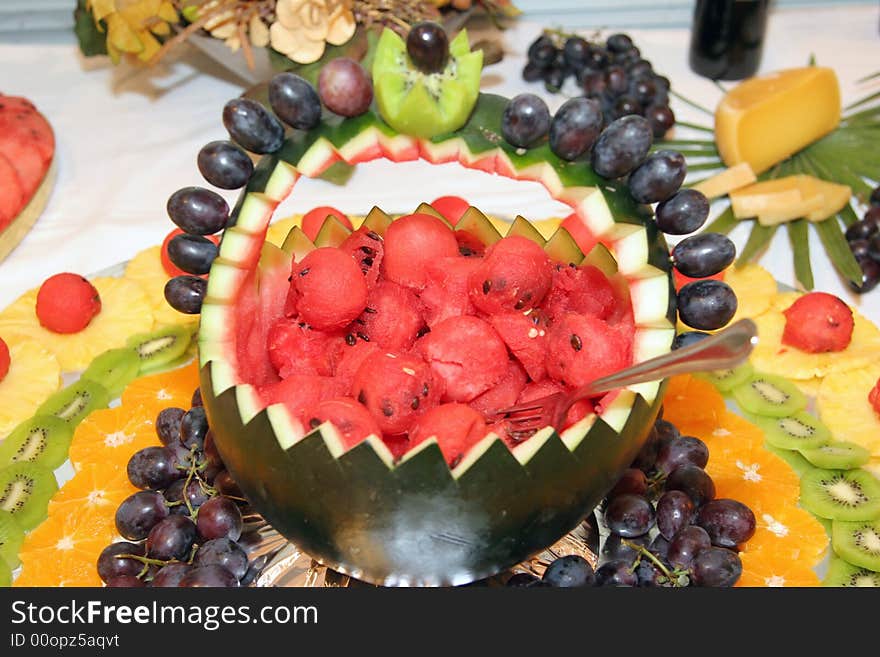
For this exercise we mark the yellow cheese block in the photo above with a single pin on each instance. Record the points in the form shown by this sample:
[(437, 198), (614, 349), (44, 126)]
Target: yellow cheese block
[(764, 120), (788, 198), (725, 182)]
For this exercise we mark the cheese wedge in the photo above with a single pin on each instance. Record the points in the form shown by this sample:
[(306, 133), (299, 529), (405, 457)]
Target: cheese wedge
[(764, 120), (725, 182)]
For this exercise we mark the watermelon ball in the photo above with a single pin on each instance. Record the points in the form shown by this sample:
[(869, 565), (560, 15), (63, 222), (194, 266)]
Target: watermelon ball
[(818, 322), (585, 290), (66, 303), (331, 291), (504, 393), (351, 419), (368, 250), (451, 207), (396, 389), (515, 275), (4, 359), (411, 243), (300, 392), (392, 318), (582, 348), (315, 218), (467, 355), (456, 427), (294, 348)]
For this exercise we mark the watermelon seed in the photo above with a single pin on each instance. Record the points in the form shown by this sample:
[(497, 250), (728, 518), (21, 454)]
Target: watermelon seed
[(373, 235), (363, 336), (415, 404), (487, 285), (423, 331), (425, 390), (387, 410), (350, 340), (362, 397), (370, 310), (368, 250), (304, 272), (290, 279), (576, 343), (520, 304), (314, 423), (368, 262), (455, 461), (465, 251)]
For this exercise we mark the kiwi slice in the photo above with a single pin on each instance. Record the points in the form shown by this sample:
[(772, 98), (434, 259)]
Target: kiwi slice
[(839, 455), (841, 494), (798, 431), (25, 490), (726, 380), (794, 459), (769, 395), (43, 439), (160, 346), (858, 542), (180, 361), (11, 538), (842, 573), (76, 401), (114, 369), (5, 575)]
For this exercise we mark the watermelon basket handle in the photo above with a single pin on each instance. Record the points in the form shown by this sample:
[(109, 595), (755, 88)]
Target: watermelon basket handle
[(723, 350)]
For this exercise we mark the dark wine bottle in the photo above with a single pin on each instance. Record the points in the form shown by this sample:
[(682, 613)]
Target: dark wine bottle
[(727, 38)]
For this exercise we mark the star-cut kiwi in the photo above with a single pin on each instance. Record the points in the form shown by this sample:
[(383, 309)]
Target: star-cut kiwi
[(420, 103)]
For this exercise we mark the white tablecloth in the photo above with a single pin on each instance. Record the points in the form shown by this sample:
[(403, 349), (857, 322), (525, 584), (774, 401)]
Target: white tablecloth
[(128, 137)]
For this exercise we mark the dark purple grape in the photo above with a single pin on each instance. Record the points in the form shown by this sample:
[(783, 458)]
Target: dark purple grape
[(219, 517), (345, 87), (665, 431), (193, 427), (872, 217), (593, 82), (643, 90), (674, 512), (616, 573), (542, 52), (428, 47), (617, 80), (617, 43), (861, 230), (661, 82), (252, 126), (124, 582), (183, 456), (717, 567), (626, 105), (213, 462), (684, 213), (872, 248), (193, 254), (569, 571), (532, 72), (169, 575), (575, 126), (576, 52), (875, 197), (681, 450), (209, 576), (729, 523), (110, 565), (554, 78), (641, 69), (193, 491), (139, 513), (686, 545), (870, 275), (631, 481), (703, 255), (658, 178), (629, 515), (706, 305), (649, 575), (693, 481), (525, 120), (198, 211), (659, 547), (224, 165), (521, 580), (225, 553), (168, 425), (152, 468), (186, 293), (613, 547), (295, 101), (687, 339), (171, 538), (196, 398), (644, 460), (621, 146), (226, 485), (598, 58)]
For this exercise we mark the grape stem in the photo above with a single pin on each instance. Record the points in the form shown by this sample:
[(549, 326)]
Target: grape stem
[(672, 576)]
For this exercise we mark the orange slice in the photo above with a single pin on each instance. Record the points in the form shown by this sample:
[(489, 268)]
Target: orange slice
[(755, 477), (789, 532), (693, 405), (762, 568), (153, 393), (97, 486), (111, 436)]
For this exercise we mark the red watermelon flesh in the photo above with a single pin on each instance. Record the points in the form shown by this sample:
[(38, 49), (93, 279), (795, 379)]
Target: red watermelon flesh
[(26, 140), (19, 115), (411, 243), (504, 393), (351, 418), (392, 318), (396, 389), (515, 274), (526, 337), (456, 427), (294, 348), (581, 348), (451, 207), (446, 288), (330, 289), (467, 354), (585, 290), (367, 249), (469, 244), (11, 194), (350, 359), (299, 392)]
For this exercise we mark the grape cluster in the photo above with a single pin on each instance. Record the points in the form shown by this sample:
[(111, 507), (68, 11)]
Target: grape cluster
[(614, 74), (863, 238), (665, 525), (183, 527)]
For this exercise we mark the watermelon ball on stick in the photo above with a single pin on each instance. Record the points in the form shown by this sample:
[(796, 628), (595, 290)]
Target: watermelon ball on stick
[(66, 303)]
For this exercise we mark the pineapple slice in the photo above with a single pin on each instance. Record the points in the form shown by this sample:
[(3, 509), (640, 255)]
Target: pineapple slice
[(33, 375), (145, 269), (843, 405), (124, 311), (755, 289)]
